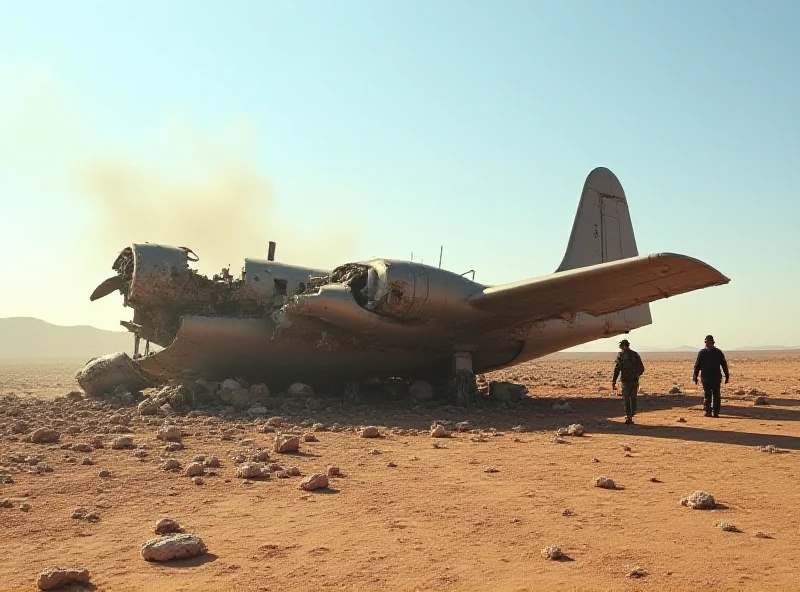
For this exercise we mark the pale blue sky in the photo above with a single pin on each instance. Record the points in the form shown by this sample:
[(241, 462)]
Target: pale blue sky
[(385, 128)]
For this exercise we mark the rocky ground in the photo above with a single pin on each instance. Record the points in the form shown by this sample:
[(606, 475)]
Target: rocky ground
[(273, 491)]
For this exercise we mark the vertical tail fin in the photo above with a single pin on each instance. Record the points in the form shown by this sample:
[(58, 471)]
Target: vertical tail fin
[(602, 230)]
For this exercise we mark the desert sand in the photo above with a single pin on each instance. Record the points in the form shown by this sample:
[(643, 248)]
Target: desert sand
[(412, 512)]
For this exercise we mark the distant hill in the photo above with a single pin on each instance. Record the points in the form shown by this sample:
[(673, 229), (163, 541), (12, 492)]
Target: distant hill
[(25, 337)]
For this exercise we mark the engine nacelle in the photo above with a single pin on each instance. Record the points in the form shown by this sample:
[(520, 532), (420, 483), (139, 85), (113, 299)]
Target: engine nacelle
[(410, 291), (160, 275)]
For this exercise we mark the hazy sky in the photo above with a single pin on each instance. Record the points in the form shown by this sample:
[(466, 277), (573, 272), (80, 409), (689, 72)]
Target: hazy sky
[(346, 130)]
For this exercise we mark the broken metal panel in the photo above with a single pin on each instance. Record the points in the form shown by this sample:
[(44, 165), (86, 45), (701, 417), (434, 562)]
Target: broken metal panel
[(104, 373), (267, 280), (219, 347)]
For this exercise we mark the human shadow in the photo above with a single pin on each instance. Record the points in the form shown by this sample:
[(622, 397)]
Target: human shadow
[(714, 436)]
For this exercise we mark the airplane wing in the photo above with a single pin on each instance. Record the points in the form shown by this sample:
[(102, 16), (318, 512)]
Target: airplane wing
[(599, 289)]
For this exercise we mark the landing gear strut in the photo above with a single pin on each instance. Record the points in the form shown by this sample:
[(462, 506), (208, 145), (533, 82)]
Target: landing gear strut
[(465, 385)]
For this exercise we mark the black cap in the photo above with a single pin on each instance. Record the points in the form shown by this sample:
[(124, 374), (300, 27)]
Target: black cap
[(709, 338), (624, 342)]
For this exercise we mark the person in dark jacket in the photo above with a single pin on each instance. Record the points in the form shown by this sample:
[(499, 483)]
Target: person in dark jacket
[(708, 364), (629, 368)]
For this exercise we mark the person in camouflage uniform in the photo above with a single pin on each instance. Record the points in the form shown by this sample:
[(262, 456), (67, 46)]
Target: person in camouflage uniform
[(629, 368)]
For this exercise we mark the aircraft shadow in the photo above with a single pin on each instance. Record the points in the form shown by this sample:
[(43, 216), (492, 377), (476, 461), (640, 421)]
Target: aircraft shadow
[(532, 413)]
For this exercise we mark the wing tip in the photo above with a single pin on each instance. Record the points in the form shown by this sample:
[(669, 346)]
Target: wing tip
[(722, 278)]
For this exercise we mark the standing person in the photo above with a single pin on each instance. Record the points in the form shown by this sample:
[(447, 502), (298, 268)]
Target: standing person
[(629, 368), (709, 361)]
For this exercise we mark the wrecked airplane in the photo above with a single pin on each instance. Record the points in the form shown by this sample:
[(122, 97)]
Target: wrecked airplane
[(281, 323)]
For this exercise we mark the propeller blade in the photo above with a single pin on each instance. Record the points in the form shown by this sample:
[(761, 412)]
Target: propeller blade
[(108, 286)]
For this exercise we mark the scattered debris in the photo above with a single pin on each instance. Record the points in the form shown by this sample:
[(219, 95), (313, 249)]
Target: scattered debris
[(298, 389), (553, 552), (286, 444), (55, 577), (370, 432), (699, 500), (507, 392), (168, 526), (604, 482), (727, 526), (637, 572), (122, 443), (170, 433), (175, 546), (762, 535), (250, 470), (45, 436), (576, 429), (195, 469), (315, 481), (171, 464), (772, 449), (439, 431), (567, 512)]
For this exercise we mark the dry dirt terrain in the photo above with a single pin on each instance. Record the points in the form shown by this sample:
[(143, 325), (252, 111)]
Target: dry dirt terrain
[(472, 511)]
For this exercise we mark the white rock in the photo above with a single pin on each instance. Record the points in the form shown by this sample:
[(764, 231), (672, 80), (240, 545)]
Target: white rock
[(315, 481), (284, 444), (300, 389), (147, 407), (250, 471), (195, 469), (604, 482), (170, 433), (55, 577), (439, 431), (370, 432), (175, 546), (699, 500), (168, 526), (230, 384), (576, 429)]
